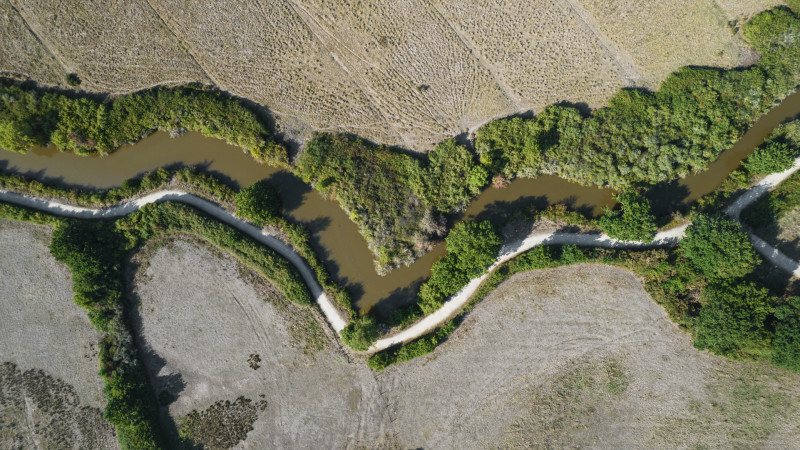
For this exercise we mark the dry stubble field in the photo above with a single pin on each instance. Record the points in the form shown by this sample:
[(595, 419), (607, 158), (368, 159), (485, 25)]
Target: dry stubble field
[(576, 356), (408, 73), (50, 391)]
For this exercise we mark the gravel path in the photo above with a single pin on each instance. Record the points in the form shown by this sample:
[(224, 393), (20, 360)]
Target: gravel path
[(452, 306)]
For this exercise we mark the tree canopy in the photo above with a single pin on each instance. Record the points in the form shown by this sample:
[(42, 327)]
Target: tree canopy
[(719, 247)]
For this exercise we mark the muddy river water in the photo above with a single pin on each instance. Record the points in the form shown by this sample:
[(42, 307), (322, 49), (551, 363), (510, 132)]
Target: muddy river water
[(335, 236)]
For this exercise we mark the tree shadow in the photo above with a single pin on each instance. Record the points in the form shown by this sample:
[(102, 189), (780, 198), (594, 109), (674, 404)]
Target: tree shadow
[(668, 197), (398, 298)]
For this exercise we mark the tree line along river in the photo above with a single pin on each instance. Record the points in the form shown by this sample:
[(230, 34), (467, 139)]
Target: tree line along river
[(335, 236)]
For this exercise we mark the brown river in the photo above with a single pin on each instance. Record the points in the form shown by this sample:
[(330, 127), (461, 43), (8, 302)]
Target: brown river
[(335, 236)]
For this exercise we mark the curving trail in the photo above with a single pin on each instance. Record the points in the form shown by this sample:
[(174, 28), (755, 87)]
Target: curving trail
[(671, 236), (259, 235), (455, 303)]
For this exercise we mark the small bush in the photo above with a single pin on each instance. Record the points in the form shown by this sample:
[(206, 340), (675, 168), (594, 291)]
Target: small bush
[(73, 79)]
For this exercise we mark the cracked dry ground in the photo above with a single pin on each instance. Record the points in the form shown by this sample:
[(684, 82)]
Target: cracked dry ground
[(572, 356), (408, 73)]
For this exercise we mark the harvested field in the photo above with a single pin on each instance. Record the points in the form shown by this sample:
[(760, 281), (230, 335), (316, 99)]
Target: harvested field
[(408, 73), (576, 356), (580, 356), (50, 392), (210, 335)]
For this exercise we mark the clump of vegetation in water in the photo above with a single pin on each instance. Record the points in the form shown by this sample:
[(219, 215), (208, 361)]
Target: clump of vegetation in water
[(632, 222), (396, 199)]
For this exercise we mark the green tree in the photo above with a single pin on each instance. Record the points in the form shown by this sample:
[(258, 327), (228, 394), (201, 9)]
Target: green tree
[(632, 222), (770, 158), (258, 203), (787, 334), (719, 247), (471, 248), (474, 246), (732, 321), (360, 333), (450, 178)]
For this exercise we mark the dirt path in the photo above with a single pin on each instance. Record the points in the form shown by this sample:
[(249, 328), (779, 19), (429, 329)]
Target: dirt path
[(333, 315), (454, 304)]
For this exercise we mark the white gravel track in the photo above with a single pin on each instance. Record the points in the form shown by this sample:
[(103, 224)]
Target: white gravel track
[(455, 303)]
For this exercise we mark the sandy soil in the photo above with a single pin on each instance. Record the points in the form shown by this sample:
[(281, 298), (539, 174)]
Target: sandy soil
[(406, 73), (576, 356), (200, 323), (50, 345)]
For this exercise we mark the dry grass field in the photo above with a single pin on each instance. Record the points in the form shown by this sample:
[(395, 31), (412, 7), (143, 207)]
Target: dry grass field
[(570, 357), (408, 72), (213, 333), (50, 391)]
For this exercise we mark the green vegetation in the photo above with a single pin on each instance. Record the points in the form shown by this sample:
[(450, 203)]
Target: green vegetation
[(774, 205), (188, 179), (93, 252), (633, 222), (72, 79), (258, 203), (360, 333), (167, 218), (471, 249), (732, 321), (221, 425), (396, 199), (33, 116), (719, 247), (787, 334)]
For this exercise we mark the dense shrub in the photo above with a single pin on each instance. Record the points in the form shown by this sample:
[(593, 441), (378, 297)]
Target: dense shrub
[(258, 203), (360, 333), (719, 247), (775, 204), (167, 218), (449, 178), (471, 248), (31, 116), (787, 334), (373, 184), (92, 250), (770, 158), (733, 319), (632, 222)]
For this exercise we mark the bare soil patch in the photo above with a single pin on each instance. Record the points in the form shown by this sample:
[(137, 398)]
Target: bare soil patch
[(407, 73), (48, 349), (211, 331)]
